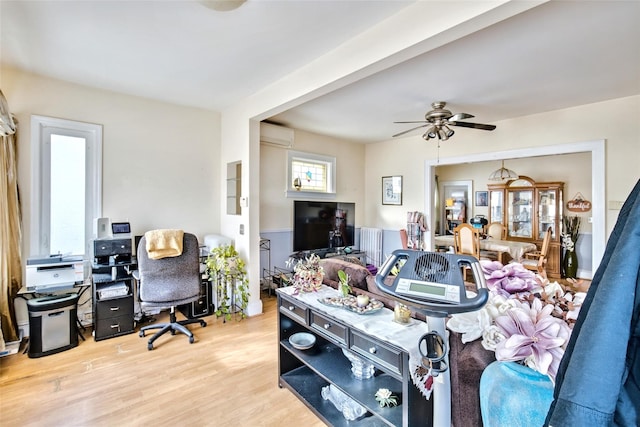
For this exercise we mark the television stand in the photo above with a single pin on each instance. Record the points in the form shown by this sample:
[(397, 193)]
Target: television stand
[(331, 253), (361, 255)]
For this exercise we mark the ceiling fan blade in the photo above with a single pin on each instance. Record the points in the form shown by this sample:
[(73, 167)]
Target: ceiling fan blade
[(409, 130), (460, 116), (473, 125), (419, 121)]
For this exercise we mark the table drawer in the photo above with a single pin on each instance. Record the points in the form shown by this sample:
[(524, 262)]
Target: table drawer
[(108, 247), (331, 329), (113, 326), (294, 310), (388, 357), (115, 307)]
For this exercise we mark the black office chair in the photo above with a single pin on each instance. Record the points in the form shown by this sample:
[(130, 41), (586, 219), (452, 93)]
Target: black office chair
[(167, 283)]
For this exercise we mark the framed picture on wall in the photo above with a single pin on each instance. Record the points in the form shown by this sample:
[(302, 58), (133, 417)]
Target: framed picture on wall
[(392, 190), (482, 198)]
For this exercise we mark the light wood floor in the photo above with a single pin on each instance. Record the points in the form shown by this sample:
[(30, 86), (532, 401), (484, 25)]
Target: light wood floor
[(227, 377)]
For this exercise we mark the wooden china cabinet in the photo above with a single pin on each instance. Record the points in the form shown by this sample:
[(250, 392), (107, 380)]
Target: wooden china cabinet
[(527, 208)]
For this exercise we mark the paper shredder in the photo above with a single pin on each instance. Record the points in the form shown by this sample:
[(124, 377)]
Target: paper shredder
[(52, 324)]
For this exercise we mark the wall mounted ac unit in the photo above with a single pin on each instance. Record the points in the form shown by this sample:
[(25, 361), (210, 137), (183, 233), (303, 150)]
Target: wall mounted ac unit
[(275, 135)]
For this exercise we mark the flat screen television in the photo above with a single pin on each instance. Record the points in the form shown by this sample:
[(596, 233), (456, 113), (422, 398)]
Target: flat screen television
[(319, 225)]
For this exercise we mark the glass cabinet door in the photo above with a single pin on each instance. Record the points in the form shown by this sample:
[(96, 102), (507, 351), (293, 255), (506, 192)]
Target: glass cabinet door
[(496, 203), (520, 213), (547, 209)]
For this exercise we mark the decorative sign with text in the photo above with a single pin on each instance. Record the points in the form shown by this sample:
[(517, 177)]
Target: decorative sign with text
[(579, 204)]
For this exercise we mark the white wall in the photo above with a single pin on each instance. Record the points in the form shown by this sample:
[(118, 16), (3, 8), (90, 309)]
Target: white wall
[(616, 121), (575, 125), (157, 158), (407, 157), (158, 170), (349, 62), (240, 142), (276, 210)]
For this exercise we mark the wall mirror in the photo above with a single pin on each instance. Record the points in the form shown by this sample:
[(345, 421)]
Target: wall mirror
[(234, 187)]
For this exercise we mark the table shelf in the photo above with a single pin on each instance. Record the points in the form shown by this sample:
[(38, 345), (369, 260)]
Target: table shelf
[(306, 372)]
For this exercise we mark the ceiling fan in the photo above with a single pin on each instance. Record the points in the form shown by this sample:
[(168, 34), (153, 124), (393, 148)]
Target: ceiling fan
[(439, 119)]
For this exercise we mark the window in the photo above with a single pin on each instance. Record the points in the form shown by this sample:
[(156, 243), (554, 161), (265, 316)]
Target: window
[(311, 175), (66, 177)]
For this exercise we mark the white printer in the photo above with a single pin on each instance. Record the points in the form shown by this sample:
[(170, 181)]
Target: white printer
[(48, 273)]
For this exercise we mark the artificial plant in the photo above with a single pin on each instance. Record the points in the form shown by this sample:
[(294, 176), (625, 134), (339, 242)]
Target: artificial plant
[(344, 283), (224, 264)]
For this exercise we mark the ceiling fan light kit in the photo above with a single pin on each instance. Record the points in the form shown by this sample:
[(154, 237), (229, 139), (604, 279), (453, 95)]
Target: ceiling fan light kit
[(502, 174), (222, 5), (439, 119)]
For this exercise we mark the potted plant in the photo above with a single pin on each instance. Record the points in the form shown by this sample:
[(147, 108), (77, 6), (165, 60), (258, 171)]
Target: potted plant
[(228, 274), (362, 300), (344, 283)]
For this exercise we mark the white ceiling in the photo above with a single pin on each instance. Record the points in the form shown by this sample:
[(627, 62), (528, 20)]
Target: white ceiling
[(557, 55)]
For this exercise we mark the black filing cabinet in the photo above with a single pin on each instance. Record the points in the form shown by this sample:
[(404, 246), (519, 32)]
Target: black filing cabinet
[(203, 306), (113, 286)]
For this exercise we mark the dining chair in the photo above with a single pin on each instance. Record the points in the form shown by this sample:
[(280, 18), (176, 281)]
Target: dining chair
[(497, 231), (404, 238), (537, 260), (466, 240)]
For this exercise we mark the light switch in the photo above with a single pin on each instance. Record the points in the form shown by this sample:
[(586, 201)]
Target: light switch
[(241, 229)]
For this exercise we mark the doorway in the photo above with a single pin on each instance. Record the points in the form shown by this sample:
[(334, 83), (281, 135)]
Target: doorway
[(598, 184), (453, 203)]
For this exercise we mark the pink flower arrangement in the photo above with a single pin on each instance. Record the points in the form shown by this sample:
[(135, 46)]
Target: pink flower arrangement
[(532, 335), (526, 320), (508, 279)]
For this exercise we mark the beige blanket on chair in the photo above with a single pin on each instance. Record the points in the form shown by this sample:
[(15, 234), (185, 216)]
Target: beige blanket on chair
[(164, 243)]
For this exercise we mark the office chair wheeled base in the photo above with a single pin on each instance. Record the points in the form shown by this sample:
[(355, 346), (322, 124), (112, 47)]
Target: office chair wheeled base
[(173, 326)]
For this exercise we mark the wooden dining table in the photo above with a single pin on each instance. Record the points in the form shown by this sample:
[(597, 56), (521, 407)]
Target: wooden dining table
[(514, 249)]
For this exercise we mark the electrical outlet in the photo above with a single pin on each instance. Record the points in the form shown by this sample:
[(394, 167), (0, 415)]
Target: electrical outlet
[(88, 317)]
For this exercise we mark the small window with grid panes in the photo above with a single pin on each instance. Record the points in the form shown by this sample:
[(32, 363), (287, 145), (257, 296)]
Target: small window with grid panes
[(311, 175)]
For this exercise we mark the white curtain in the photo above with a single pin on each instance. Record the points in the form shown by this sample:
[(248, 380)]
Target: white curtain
[(10, 224)]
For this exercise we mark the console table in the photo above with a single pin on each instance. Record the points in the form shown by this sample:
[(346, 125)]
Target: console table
[(306, 372)]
